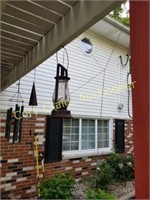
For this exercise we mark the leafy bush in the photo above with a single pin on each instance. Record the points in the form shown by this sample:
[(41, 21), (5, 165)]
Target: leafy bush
[(58, 187), (123, 167), (104, 175), (115, 168), (100, 194)]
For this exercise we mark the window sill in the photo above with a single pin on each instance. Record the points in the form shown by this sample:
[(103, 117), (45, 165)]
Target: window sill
[(86, 153)]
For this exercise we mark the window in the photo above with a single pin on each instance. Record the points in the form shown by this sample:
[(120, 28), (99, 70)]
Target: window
[(86, 46), (71, 134), (103, 133), (86, 135)]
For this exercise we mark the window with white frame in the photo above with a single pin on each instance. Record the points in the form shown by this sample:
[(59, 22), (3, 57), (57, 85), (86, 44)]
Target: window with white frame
[(70, 134), (86, 134)]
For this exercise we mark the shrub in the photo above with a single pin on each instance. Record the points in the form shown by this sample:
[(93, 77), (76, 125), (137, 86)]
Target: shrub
[(123, 167), (58, 187), (115, 168), (100, 194), (104, 175)]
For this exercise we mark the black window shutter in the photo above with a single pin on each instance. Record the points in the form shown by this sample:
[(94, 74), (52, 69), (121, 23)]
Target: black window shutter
[(119, 135), (53, 142)]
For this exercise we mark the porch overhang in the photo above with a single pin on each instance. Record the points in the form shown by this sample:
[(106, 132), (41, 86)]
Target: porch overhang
[(31, 31)]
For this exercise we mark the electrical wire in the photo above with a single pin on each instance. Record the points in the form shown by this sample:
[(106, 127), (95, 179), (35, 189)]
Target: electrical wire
[(121, 61), (34, 75), (103, 82), (104, 75), (93, 77), (128, 74)]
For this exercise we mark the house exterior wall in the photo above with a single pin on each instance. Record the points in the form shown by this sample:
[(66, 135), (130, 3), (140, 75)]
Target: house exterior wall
[(87, 76), (86, 83), (17, 160)]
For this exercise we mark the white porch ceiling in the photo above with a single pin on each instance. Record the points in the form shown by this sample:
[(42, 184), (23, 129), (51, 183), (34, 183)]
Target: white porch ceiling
[(31, 30)]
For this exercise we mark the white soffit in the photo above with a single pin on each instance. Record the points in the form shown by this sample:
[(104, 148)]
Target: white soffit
[(32, 30), (111, 29)]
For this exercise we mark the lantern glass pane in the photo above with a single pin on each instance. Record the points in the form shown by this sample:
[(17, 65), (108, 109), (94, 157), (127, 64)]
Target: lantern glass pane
[(63, 91)]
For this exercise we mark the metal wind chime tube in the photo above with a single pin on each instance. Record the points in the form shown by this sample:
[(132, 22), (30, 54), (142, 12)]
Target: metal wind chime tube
[(14, 119), (8, 123)]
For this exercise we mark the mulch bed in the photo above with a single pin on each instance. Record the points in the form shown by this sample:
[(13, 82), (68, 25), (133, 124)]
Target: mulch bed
[(118, 189)]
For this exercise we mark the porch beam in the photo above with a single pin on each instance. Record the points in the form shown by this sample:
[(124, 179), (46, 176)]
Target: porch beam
[(140, 67)]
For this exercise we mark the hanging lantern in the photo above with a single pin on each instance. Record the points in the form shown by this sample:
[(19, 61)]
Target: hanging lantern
[(61, 96)]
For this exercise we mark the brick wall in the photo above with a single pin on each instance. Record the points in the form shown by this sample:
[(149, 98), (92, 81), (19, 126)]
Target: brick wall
[(17, 160), (129, 148)]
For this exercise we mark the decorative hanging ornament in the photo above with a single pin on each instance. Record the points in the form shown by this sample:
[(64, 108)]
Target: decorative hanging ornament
[(33, 98), (14, 119)]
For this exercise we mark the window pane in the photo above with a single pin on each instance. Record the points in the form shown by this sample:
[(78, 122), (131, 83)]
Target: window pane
[(84, 129), (92, 130), (66, 146), (75, 129), (88, 134), (75, 122), (74, 137), (105, 123), (86, 46), (91, 122), (84, 137), (84, 122), (66, 138), (91, 137), (74, 146), (91, 145), (84, 145), (103, 133), (70, 134), (105, 130), (66, 129), (66, 122)]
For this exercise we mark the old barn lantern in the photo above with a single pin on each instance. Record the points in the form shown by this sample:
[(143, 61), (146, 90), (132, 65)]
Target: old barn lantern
[(61, 96)]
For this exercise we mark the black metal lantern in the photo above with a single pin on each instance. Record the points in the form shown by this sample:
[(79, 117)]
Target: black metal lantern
[(61, 96)]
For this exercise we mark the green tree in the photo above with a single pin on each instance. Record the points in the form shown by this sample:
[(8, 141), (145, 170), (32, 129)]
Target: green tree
[(116, 14)]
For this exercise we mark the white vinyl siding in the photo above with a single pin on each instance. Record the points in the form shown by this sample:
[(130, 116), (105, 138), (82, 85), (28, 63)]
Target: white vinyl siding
[(86, 80)]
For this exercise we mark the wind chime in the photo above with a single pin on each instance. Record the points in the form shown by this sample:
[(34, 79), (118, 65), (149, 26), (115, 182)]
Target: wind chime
[(15, 117), (36, 155)]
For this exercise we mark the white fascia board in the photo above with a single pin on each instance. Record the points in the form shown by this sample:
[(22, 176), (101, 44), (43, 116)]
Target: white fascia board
[(83, 15), (117, 24)]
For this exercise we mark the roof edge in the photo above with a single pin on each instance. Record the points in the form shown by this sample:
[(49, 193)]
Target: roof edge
[(117, 24)]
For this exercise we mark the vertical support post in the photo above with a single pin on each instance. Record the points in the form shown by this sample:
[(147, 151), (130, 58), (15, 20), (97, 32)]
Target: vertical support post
[(140, 15)]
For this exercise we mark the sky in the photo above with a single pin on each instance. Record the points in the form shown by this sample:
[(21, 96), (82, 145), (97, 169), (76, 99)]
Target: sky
[(126, 9)]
